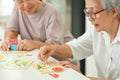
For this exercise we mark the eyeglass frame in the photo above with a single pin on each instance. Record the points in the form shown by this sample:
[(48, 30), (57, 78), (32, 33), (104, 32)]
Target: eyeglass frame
[(91, 14)]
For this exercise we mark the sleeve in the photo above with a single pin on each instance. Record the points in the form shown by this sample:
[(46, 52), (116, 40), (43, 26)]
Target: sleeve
[(82, 46), (55, 28), (13, 24)]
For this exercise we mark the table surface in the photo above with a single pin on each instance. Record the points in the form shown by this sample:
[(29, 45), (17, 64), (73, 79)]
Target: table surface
[(32, 74)]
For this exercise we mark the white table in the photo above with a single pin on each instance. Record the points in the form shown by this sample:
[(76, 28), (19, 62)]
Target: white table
[(32, 74)]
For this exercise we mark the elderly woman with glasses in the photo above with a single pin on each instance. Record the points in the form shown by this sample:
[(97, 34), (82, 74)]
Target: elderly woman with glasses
[(38, 24), (102, 40)]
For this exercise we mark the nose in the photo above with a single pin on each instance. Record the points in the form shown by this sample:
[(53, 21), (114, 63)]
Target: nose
[(25, 4)]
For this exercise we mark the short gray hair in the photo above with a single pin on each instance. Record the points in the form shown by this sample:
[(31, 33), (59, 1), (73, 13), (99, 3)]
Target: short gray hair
[(110, 4)]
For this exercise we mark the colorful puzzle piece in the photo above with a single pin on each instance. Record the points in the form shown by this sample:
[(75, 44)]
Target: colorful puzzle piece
[(13, 44)]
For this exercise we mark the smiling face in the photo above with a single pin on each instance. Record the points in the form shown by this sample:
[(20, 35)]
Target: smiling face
[(102, 20), (28, 6)]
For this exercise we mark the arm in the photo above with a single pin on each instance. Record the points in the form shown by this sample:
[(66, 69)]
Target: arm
[(11, 30), (11, 34), (62, 51)]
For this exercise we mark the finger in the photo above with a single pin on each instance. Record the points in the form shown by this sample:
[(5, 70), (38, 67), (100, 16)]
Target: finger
[(20, 46), (2, 48), (5, 47), (64, 63), (39, 55), (25, 48), (8, 46), (43, 53), (67, 66), (43, 58)]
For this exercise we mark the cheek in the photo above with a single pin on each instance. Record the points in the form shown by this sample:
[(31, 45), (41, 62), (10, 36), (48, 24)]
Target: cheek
[(19, 6), (107, 21), (101, 19)]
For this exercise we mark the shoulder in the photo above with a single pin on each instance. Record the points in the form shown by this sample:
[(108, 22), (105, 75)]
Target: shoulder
[(49, 8), (16, 11)]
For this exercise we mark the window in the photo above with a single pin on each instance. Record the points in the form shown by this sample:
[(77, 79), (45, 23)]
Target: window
[(5, 10)]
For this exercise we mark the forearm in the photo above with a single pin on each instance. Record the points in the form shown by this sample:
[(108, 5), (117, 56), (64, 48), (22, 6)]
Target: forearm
[(11, 34), (39, 44), (63, 51)]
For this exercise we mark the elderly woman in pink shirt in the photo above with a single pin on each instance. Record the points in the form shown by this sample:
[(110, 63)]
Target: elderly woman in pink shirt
[(38, 24)]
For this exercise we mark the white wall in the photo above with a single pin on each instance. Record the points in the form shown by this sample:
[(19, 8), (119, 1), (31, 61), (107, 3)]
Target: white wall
[(5, 10), (6, 7)]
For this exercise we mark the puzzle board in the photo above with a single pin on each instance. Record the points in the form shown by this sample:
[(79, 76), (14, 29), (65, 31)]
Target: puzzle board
[(18, 64), (43, 68)]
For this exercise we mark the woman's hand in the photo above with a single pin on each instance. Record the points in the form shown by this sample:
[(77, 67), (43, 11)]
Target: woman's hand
[(26, 45), (68, 64), (46, 51)]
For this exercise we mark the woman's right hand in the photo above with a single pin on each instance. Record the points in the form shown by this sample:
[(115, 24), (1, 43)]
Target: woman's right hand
[(46, 51)]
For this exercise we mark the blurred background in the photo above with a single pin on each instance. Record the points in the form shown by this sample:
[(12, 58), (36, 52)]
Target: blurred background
[(73, 17)]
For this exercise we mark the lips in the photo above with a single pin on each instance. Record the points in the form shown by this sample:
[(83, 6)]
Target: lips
[(96, 24), (27, 8)]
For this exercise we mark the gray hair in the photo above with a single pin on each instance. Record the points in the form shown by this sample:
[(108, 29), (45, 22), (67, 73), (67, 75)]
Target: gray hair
[(110, 4)]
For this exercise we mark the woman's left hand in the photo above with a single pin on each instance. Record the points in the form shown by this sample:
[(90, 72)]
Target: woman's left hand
[(68, 64), (26, 45)]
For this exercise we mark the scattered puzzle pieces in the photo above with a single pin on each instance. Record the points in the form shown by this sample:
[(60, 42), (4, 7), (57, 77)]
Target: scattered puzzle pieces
[(18, 64), (52, 66), (55, 75), (2, 57)]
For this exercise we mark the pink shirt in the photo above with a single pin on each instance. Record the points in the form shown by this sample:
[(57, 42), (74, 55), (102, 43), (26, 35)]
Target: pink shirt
[(45, 25)]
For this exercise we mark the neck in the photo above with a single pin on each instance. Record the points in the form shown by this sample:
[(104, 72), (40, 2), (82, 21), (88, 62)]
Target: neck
[(113, 29), (39, 5)]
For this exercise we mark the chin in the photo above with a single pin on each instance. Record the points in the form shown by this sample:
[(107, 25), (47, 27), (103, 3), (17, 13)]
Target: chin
[(98, 30)]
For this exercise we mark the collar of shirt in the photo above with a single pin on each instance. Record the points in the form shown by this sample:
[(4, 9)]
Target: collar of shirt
[(107, 37), (117, 38)]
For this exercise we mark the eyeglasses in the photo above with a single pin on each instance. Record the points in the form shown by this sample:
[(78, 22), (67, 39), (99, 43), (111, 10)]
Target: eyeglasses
[(91, 14)]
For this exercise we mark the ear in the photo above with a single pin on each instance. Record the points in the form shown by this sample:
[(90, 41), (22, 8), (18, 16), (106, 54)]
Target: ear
[(115, 12)]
